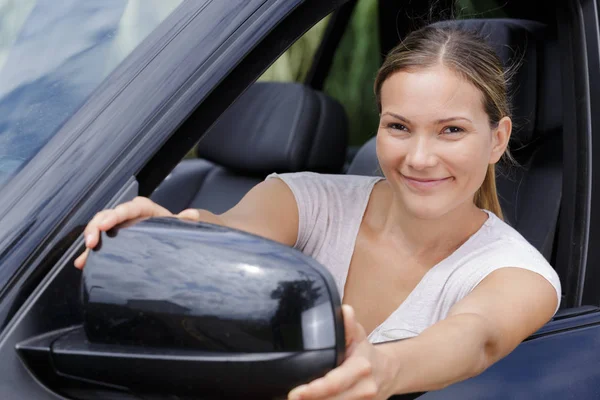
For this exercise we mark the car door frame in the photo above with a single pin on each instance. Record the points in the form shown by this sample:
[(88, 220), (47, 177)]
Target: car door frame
[(590, 19)]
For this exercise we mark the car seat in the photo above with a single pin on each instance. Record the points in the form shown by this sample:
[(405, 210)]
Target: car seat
[(272, 127)]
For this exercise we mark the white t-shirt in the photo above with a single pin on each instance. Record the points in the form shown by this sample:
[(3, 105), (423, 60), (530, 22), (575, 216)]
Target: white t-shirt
[(331, 209)]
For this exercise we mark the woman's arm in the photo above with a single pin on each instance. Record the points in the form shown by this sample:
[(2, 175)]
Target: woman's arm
[(505, 308), (269, 210)]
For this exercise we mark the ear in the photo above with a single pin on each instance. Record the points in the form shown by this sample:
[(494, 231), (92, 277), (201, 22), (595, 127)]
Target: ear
[(500, 138)]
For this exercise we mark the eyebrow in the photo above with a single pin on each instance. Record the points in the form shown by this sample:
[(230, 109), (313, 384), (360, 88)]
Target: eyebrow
[(439, 121)]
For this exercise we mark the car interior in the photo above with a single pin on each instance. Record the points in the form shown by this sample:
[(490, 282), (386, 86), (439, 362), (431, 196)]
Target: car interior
[(299, 126), (291, 127), (303, 130)]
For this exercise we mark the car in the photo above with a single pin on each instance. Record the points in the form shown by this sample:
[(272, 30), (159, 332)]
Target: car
[(101, 100)]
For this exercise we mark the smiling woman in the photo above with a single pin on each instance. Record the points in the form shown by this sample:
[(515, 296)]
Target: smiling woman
[(50, 63)]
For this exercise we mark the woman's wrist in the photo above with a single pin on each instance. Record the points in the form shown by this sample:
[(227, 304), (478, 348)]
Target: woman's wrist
[(391, 368), (402, 366)]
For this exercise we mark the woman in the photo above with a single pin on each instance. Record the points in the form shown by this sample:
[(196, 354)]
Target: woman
[(421, 254)]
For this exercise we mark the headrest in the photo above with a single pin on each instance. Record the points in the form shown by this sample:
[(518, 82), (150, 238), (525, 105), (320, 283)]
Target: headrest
[(283, 127), (525, 41)]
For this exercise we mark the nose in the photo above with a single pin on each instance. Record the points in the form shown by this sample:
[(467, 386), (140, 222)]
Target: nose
[(421, 154)]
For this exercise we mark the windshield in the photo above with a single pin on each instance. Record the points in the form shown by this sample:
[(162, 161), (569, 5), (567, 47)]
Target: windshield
[(53, 54)]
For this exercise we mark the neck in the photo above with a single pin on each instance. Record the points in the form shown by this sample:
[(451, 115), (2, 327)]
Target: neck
[(431, 237)]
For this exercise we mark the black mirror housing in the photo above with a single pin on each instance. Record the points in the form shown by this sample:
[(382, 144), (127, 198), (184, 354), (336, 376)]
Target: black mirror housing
[(194, 309)]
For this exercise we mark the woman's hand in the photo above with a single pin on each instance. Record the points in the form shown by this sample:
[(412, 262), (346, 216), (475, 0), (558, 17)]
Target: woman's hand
[(134, 210), (366, 373)]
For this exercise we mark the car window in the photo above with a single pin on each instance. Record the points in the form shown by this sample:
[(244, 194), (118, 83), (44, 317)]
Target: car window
[(53, 54), (352, 75), (355, 64), (293, 65)]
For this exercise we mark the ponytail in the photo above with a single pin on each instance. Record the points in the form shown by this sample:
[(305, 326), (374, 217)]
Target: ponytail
[(487, 196)]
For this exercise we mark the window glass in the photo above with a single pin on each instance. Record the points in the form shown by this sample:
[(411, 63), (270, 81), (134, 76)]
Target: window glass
[(294, 64), (53, 54), (353, 72), (355, 64)]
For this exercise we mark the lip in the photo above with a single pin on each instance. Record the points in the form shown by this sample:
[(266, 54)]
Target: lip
[(424, 183)]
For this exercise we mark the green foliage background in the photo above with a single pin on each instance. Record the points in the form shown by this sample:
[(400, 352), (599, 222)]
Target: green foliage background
[(353, 72)]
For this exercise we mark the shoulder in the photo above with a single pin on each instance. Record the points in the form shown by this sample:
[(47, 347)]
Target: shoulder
[(497, 235), (501, 246), (325, 186), (325, 179)]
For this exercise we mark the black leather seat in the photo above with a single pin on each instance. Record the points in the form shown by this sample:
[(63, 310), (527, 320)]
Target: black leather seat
[(530, 193), (272, 127)]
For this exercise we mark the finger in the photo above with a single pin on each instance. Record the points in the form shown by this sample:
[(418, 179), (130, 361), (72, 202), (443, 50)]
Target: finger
[(121, 213), (93, 224), (361, 390), (190, 214), (107, 219), (152, 209), (335, 382), (80, 261), (140, 207), (91, 232), (355, 333)]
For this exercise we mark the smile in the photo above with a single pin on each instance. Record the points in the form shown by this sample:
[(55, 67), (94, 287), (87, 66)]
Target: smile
[(422, 183)]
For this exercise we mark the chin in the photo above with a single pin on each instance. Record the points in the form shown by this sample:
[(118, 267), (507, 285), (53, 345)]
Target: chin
[(426, 209)]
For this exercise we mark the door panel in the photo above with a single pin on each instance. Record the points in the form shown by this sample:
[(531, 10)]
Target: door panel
[(560, 366)]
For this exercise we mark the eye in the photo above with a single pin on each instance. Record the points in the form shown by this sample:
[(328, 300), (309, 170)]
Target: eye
[(453, 130), (397, 126)]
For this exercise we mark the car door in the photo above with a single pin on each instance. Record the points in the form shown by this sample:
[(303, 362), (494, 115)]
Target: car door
[(122, 141)]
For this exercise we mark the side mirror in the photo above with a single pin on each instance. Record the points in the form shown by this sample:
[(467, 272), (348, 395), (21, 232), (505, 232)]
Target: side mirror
[(198, 310)]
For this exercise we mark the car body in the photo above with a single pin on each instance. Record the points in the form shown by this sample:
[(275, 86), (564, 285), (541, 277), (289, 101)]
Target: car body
[(124, 135)]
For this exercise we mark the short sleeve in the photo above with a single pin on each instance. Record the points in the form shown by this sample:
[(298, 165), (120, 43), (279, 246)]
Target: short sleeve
[(305, 188), (510, 252)]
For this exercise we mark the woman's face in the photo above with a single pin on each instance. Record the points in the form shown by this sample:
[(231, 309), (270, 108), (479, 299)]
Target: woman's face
[(434, 142)]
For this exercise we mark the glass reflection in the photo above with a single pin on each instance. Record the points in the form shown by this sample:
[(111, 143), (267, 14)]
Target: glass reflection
[(53, 54), (318, 328)]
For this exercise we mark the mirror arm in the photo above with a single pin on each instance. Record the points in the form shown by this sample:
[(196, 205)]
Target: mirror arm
[(67, 353)]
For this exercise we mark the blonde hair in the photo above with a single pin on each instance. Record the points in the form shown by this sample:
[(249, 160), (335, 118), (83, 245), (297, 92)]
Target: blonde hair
[(472, 58)]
